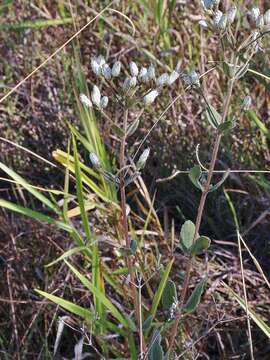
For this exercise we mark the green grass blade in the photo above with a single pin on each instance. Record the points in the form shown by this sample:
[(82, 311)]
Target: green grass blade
[(35, 24), (105, 301), (35, 215), (20, 180), (68, 305)]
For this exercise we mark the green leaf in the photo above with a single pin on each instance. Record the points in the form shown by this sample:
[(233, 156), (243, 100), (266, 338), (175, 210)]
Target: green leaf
[(213, 117), (225, 126), (127, 323), (35, 215), (217, 185), (201, 244), (194, 175), (156, 351), (160, 289), (195, 297), (67, 254), (147, 322), (187, 235), (73, 308), (169, 295), (29, 188)]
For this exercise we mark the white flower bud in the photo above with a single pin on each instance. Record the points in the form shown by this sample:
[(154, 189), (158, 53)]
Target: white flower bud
[(162, 80), (133, 81), (85, 100), (100, 60), (173, 77), (133, 68), (96, 96), (192, 78), (142, 159), (95, 66), (151, 73), (222, 22), (203, 23), (217, 16), (254, 14), (231, 13), (246, 103), (116, 69), (209, 4), (143, 74), (260, 22), (104, 102), (266, 18), (150, 97), (95, 160), (106, 71)]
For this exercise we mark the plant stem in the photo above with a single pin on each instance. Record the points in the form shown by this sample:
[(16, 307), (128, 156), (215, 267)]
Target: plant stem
[(129, 260), (202, 205)]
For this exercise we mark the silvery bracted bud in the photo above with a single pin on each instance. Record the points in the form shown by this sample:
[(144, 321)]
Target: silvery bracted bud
[(151, 72), (95, 160), (246, 103), (85, 100), (104, 102), (209, 4), (192, 78), (133, 68), (133, 81), (142, 159), (231, 13), (100, 60), (254, 14), (150, 97), (95, 66), (203, 23), (260, 22), (222, 22), (143, 74), (173, 77), (106, 71), (162, 80), (217, 16), (96, 96), (116, 69), (266, 18), (129, 82)]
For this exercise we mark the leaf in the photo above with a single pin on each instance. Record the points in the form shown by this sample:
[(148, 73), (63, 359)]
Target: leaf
[(67, 254), (225, 126), (103, 299), (29, 188), (35, 215), (156, 351), (217, 185), (147, 322), (254, 316), (187, 235), (118, 131), (194, 175), (201, 244), (73, 308), (133, 127), (195, 297), (160, 289), (213, 117), (169, 295)]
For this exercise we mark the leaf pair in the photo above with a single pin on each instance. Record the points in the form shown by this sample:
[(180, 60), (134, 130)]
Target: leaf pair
[(189, 245)]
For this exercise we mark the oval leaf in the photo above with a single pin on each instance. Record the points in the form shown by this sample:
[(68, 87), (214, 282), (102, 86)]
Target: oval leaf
[(194, 176), (169, 295), (187, 235), (201, 244), (195, 297)]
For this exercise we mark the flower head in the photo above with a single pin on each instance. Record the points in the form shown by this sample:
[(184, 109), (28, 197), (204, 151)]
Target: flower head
[(96, 96), (162, 80), (85, 100), (133, 68), (150, 97), (116, 69)]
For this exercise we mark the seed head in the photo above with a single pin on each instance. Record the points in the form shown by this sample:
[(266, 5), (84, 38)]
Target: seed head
[(133, 81), (106, 71), (104, 102), (96, 96), (162, 80), (143, 74), (116, 69), (173, 77), (151, 72), (150, 97), (95, 160), (133, 68), (246, 103), (260, 22), (203, 23), (254, 14), (231, 13), (142, 159), (266, 18), (192, 78), (97, 63), (85, 100), (209, 4)]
